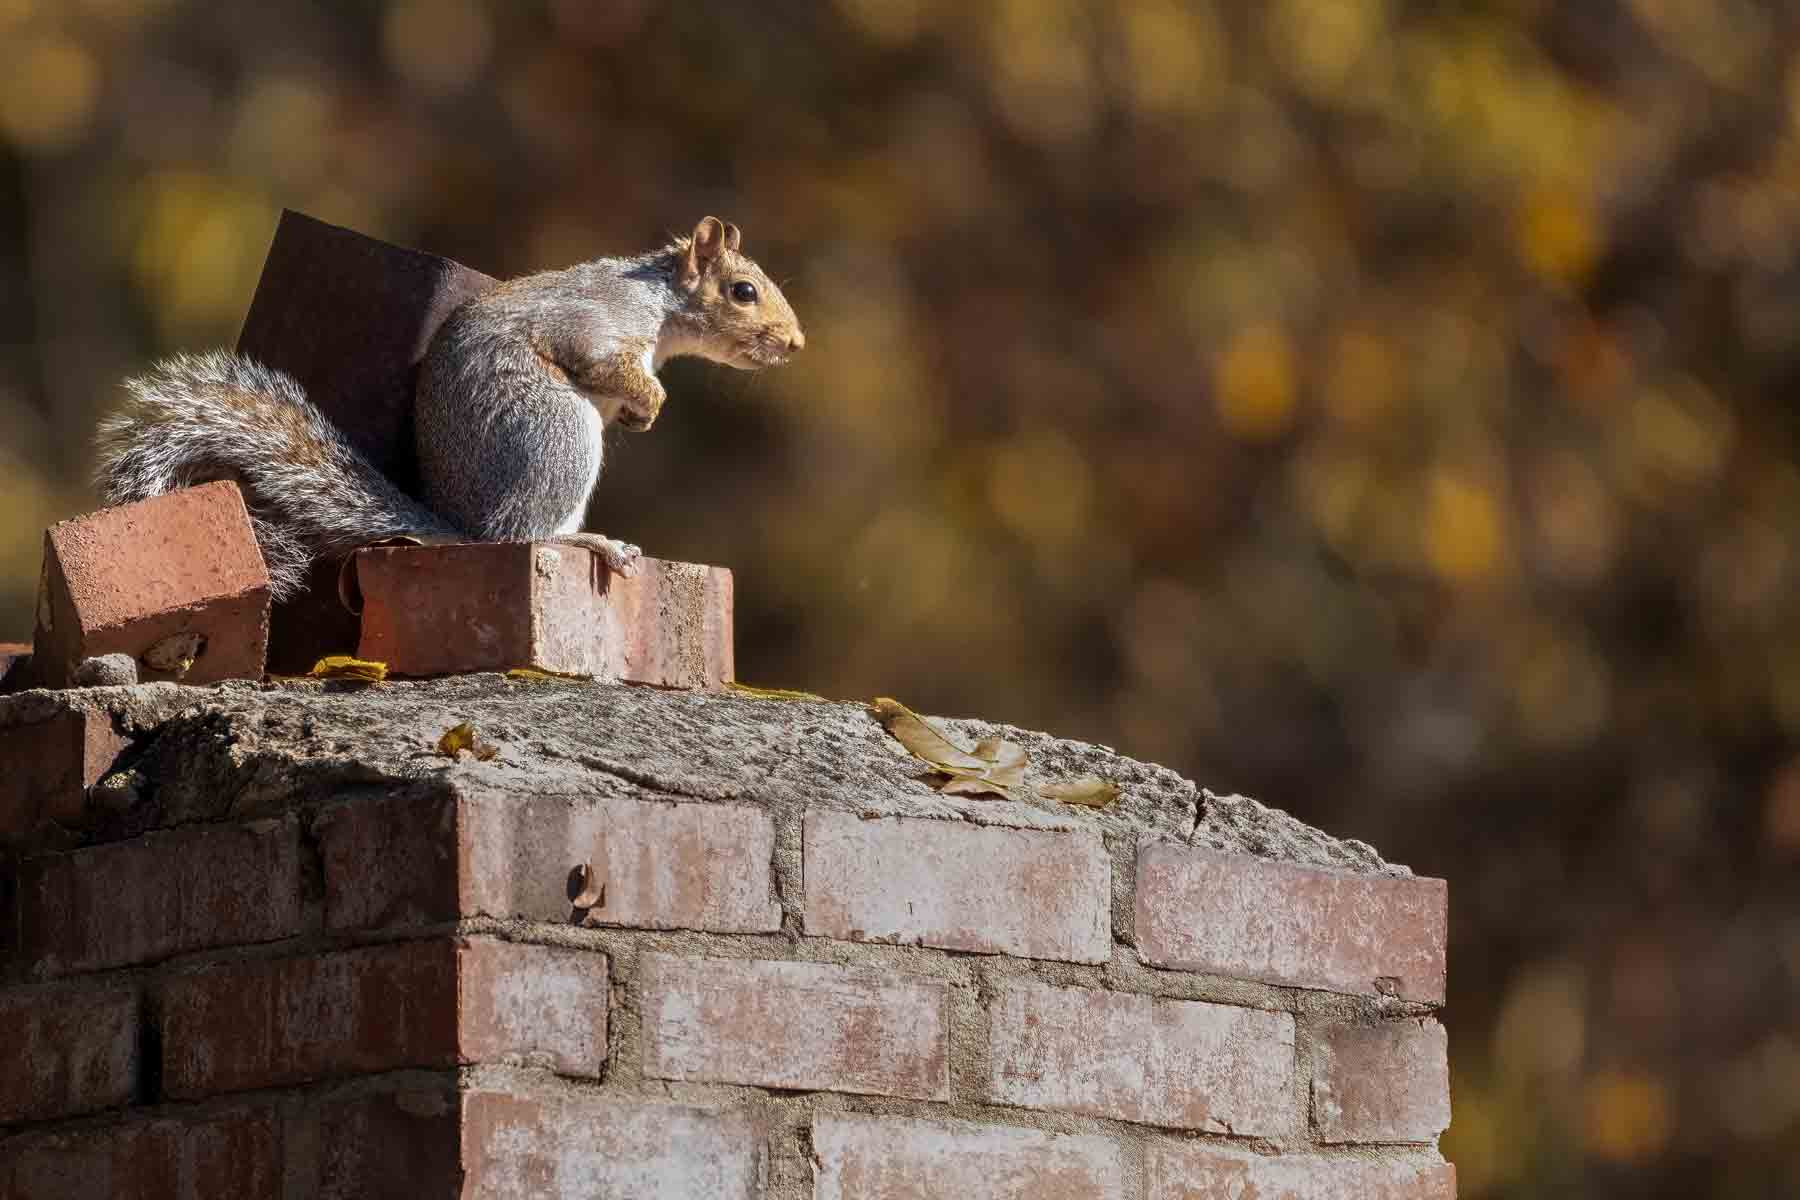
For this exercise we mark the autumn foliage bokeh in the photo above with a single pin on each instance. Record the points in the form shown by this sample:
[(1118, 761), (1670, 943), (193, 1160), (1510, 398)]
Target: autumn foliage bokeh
[(1384, 408)]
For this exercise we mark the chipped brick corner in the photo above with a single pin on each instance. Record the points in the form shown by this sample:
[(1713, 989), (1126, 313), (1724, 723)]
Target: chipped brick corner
[(263, 941)]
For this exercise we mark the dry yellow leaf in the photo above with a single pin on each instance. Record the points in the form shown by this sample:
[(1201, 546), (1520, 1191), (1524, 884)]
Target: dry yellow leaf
[(995, 766), (344, 666), (1091, 791), (760, 693), (464, 736)]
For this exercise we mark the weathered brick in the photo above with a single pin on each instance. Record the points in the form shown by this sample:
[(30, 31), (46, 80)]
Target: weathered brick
[(435, 1003), (393, 1143), (795, 1025), (192, 1157), (162, 894), (66, 1050), (522, 1148), (1028, 893), (47, 766), (416, 859), (441, 610), (1182, 1064), (1188, 1171), (139, 578), (1232, 914), (895, 1158), (1382, 1083)]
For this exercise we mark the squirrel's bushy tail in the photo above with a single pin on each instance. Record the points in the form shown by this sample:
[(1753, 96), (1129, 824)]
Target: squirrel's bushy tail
[(196, 418)]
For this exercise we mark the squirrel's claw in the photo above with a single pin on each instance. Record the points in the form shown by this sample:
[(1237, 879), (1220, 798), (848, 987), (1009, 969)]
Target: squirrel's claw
[(621, 558)]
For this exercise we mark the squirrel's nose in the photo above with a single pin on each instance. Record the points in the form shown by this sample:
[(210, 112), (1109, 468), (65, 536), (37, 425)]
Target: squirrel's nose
[(796, 341)]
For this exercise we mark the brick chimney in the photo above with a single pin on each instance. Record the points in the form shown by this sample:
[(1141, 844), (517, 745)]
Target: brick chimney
[(268, 941)]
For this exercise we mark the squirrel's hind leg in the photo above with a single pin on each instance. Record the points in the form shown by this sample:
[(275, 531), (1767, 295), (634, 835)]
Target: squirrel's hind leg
[(621, 558)]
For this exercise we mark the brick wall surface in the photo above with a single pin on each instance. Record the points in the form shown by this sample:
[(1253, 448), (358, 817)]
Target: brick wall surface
[(380, 983)]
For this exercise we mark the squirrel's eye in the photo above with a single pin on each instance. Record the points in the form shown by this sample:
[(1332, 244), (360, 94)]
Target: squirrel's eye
[(743, 292)]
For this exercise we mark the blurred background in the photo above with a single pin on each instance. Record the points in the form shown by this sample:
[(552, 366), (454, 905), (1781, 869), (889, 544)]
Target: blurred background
[(1385, 408)]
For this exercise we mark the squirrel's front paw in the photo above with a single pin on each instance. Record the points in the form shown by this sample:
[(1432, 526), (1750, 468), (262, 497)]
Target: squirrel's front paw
[(621, 558)]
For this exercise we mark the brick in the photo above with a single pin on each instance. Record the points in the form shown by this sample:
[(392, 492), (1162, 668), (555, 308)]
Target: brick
[(416, 859), (1028, 893), (442, 610), (67, 1051), (522, 1148), (47, 766), (795, 1025), (1188, 1171), (1181, 1064), (439, 1003), (162, 894), (191, 1157), (1382, 1083), (1231, 914), (405, 1142), (350, 318), (892, 1158), (131, 579)]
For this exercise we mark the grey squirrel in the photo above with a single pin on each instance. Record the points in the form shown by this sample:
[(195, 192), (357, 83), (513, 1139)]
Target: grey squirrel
[(510, 407)]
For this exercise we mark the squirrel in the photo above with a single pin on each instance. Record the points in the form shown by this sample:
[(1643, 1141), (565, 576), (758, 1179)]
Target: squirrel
[(512, 400)]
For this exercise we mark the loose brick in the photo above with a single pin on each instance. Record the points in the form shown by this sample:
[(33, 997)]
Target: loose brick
[(433, 1003), (1232, 914), (892, 1158), (233, 1153), (66, 1051), (962, 887), (139, 578), (163, 894), (350, 318), (46, 768), (1382, 1083), (1178, 1171), (1182, 1064), (795, 1025), (522, 1148), (415, 859), (440, 610)]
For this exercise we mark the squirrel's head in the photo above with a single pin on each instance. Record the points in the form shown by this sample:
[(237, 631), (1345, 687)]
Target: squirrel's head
[(746, 321)]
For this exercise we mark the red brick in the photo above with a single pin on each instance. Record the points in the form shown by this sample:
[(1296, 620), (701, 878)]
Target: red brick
[(523, 1148), (795, 1025), (1022, 892), (234, 1153), (438, 1003), (1182, 1064), (1188, 1171), (66, 1050), (46, 768), (441, 610), (162, 894), (895, 1158), (350, 318), (1382, 1083), (1231, 914), (419, 859), (400, 1143), (126, 579)]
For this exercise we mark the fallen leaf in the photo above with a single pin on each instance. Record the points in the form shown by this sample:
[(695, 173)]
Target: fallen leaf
[(344, 666), (537, 674), (760, 693), (464, 736), (1090, 791), (994, 767)]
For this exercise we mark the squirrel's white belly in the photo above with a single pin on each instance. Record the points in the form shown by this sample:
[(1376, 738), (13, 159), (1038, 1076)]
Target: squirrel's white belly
[(595, 438)]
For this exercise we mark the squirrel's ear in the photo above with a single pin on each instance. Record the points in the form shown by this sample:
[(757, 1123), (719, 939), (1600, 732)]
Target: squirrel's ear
[(733, 238), (709, 236)]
